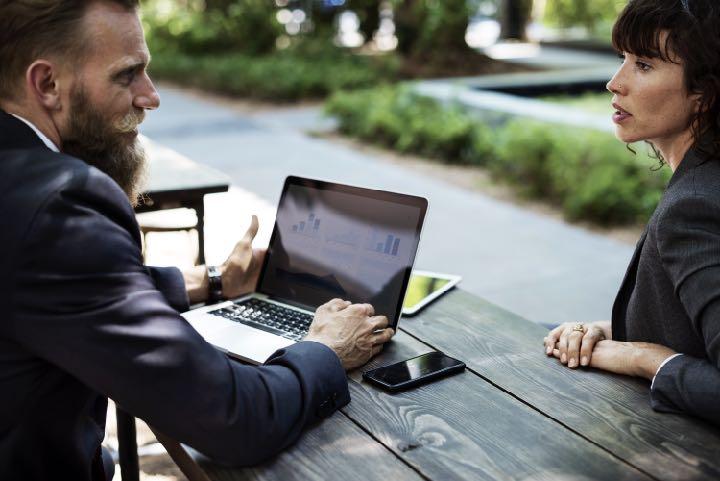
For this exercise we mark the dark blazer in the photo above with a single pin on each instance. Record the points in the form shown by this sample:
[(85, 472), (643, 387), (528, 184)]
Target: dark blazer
[(82, 320), (671, 291)]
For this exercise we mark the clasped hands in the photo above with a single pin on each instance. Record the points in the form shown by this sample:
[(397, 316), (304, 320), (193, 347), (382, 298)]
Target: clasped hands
[(590, 345)]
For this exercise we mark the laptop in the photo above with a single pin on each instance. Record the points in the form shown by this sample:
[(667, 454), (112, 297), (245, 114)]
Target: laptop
[(330, 240)]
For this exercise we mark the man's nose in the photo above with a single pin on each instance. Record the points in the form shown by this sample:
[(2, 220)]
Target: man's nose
[(148, 98)]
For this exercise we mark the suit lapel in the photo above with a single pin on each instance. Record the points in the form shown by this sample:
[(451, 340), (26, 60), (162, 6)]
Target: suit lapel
[(14, 134)]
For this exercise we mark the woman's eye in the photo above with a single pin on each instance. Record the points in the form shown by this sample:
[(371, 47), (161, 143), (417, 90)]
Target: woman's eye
[(642, 66), (621, 56)]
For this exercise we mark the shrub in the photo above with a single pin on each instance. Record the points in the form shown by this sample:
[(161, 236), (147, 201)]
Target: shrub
[(588, 173), (407, 122), (282, 76), (521, 157)]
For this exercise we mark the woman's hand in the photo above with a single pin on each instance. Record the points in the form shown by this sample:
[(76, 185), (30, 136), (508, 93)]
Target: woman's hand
[(575, 342), (641, 359)]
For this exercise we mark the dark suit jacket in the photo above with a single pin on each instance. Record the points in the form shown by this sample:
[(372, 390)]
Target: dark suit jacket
[(671, 291), (82, 320)]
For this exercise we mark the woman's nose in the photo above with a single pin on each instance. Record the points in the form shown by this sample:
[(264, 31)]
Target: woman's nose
[(616, 84)]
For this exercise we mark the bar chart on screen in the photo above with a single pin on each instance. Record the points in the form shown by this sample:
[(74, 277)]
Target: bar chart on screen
[(385, 244), (309, 227)]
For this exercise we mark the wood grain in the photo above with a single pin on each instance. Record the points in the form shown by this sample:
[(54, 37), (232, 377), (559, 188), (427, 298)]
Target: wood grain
[(462, 427), (336, 449), (612, 411)]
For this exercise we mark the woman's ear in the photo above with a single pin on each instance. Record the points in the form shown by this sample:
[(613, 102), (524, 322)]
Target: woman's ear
[(41, 80)]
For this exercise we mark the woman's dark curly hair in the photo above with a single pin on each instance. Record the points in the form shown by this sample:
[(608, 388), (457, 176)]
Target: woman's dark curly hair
[(693, 28)]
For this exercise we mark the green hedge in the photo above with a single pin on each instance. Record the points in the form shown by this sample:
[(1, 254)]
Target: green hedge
[(282, 76), (588, 173)]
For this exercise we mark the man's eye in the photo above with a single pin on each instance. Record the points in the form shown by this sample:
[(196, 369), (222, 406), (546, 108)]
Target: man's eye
[(126, 77)]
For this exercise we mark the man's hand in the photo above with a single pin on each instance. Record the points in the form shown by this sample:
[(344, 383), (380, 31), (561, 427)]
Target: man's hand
[(575, 347), (641, 359), (241, 270), (351, 330)]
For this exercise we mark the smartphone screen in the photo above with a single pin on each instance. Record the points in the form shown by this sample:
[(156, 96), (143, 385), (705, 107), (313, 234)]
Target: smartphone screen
[(424, 366)]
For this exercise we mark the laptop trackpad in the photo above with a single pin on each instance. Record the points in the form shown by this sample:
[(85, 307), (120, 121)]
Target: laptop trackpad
[(243, 342)]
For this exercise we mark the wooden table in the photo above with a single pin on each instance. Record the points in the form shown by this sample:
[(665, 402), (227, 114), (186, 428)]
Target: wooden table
[(173, 181), (176, 181), (513, 414)]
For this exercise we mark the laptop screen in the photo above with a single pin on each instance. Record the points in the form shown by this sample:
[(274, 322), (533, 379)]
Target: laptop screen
[(332, 240)]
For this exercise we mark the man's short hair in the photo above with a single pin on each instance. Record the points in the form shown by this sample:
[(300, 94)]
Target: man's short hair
[(32, 29)]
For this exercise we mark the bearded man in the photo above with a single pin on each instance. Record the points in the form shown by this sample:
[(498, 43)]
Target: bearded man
[(83, 319)]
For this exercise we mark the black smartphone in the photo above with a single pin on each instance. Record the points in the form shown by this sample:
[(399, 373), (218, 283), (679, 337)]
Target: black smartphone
[(413, 372)]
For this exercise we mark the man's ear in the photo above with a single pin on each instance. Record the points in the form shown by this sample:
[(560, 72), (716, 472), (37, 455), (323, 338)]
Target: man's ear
[(41, 80)]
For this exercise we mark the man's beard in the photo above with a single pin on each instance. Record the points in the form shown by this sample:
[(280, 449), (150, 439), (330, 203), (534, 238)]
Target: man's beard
[(96, 140)]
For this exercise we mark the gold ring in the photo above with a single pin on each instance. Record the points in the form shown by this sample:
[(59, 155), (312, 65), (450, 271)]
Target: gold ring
[(578, 327)]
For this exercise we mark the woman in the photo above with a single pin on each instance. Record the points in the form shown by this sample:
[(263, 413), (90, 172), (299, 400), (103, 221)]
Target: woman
[(666, 318)]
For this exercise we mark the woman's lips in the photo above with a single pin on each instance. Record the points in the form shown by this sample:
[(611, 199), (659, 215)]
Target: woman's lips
[(620, 114)]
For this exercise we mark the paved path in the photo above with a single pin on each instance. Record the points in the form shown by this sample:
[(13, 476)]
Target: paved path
[(537, 267)]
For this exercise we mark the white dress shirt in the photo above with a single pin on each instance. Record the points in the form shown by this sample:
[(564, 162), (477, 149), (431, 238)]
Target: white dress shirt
[(49, 143)]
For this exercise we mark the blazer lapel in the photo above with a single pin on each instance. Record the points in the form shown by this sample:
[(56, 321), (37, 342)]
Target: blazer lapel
[(623, 297)]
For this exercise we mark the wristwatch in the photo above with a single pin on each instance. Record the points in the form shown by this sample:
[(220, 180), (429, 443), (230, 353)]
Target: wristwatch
[(215, 292)]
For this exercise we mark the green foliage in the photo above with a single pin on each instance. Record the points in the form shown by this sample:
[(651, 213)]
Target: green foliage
[(591, 14), (197, 27), (431, 28), (588, 173), (283, 76), (407, 122)]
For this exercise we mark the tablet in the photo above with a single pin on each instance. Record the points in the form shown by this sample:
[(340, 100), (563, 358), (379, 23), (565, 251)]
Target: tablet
[(425, 287)]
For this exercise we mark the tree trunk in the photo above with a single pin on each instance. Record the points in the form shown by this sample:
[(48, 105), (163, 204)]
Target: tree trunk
[(369, 13), (514, 16)]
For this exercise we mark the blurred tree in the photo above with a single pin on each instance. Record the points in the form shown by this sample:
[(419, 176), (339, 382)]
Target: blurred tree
[(409, 18), (368, 11), (247, 26), (431, 28), (514, 16), (324, 13), (587, 13)]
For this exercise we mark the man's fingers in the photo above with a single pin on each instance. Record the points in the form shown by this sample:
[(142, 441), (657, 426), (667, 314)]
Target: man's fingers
[(378, 322), (335, 305), (383, 336), (376, 349), (367, 309), (252, 230)]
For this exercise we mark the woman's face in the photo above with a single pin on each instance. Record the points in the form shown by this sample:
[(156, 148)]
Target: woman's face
[(650, 99)]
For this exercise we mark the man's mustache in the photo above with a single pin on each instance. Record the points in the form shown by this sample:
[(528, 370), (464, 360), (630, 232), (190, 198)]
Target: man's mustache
[(130, 122)]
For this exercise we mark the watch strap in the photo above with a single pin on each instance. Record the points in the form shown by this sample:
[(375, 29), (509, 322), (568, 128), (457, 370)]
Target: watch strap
[(215, 292)]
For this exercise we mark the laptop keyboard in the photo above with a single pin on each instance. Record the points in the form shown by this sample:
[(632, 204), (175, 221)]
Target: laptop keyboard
[(268, 317)]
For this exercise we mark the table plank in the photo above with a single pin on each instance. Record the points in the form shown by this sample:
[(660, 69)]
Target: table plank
[(169, 171), (334, 449), (611, 411), (462, 427)]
